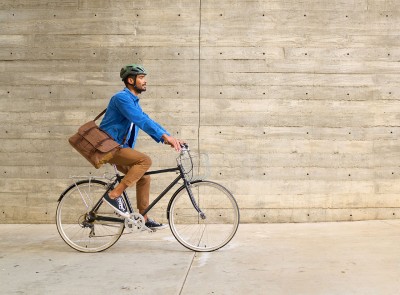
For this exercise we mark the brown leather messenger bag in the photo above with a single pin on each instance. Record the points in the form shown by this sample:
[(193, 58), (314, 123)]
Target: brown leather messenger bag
[(94, 144)]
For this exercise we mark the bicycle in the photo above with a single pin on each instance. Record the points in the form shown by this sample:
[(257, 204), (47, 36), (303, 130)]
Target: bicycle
[(203, 215)]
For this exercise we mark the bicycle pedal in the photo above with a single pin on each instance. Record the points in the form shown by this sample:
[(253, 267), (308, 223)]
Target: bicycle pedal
[(145, 228)]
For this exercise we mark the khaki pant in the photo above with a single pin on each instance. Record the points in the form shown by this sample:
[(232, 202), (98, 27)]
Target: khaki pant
[(134, 164)]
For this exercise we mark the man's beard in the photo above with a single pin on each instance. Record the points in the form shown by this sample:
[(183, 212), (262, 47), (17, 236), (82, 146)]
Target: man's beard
[(140, 90)]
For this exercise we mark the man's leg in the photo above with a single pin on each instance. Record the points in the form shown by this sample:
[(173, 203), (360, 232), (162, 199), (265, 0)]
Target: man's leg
[(134, 164), (142, 198), (131, 162), (143, 193)]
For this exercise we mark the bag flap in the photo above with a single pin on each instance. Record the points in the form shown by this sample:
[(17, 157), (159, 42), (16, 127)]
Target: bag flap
[(96, 137), (107, 145), (87, 126)]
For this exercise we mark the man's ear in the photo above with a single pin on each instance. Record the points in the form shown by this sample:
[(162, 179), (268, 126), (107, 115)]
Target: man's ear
[(130, 81)]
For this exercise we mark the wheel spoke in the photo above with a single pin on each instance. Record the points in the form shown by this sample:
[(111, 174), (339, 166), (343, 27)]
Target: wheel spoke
[(220, 224), (82, 235)]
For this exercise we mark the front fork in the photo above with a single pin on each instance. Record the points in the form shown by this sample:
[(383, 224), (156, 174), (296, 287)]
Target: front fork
[(192, 199)]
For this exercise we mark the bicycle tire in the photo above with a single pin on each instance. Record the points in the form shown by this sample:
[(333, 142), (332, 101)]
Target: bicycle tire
[(74, 203), (219, 226)]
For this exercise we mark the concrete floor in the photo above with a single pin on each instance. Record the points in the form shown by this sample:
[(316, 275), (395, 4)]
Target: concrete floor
[(317, 258)]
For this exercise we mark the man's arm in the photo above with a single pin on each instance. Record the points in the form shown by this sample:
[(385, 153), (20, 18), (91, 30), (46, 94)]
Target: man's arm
[(139, 118)]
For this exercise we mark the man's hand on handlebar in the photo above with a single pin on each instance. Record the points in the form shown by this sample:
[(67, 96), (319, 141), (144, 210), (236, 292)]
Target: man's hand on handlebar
[(175, 143)]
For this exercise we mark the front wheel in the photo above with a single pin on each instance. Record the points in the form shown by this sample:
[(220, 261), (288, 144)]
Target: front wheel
[(209, 232), (74, 222)]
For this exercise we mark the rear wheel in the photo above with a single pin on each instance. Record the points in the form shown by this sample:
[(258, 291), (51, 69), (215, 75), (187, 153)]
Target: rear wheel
[(77, 228), (221, 216)]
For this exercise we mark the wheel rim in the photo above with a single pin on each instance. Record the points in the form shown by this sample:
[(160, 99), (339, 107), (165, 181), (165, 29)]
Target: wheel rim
[(71, 215), (212, 233)]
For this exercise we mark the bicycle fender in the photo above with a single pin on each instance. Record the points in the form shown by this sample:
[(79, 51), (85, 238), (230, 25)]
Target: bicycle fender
[(78, 183)]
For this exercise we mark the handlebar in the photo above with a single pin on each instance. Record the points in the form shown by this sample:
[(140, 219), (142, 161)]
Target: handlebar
[(184, 149), (185, 146)]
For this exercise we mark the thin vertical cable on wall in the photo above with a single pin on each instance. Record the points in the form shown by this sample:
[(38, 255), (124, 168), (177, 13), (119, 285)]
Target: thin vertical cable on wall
[(199, 107)]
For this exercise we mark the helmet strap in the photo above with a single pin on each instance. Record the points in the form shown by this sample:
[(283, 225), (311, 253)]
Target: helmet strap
[(136, 88)]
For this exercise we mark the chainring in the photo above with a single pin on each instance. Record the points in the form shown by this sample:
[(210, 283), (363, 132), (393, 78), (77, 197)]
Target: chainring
[(135, 222)]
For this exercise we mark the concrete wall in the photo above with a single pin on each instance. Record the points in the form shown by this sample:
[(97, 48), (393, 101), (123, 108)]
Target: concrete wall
[(296, 102)]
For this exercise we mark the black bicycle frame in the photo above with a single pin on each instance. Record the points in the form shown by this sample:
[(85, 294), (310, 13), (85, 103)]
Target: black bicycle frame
[(93, 216), (167, 189)]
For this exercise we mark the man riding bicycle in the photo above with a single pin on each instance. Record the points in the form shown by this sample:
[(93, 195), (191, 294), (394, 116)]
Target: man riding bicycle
[(122, 120)]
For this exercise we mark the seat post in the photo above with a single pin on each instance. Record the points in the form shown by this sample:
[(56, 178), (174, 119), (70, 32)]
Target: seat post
[(115, 168), (116, 172)]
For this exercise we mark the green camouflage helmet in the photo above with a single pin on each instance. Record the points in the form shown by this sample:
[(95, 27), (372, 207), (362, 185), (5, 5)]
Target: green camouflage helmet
[(131, 70)]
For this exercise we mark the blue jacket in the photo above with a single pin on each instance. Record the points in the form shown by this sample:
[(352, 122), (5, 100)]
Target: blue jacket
[(124, 109)]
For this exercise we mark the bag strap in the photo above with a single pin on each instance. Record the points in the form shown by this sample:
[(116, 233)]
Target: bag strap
[(101, 114)]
